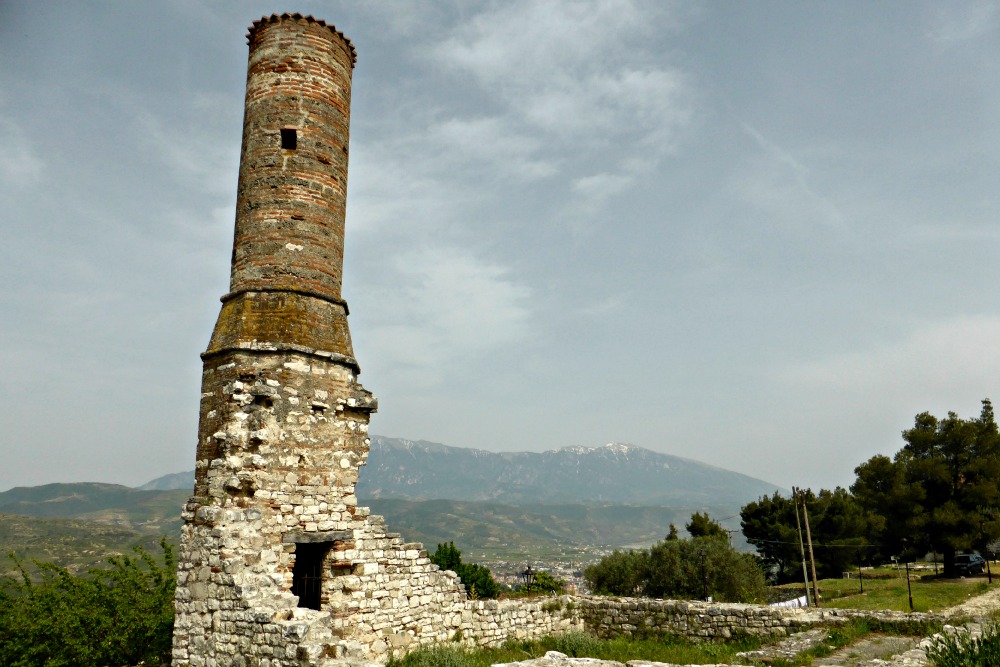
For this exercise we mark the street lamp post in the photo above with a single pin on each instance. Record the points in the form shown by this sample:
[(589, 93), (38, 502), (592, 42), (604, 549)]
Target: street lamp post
[(529, 577)]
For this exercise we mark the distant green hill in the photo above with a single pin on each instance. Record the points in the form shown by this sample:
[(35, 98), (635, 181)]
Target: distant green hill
[(113, 504), (490, 531), (78, 525), (567, 504), (72, 543)]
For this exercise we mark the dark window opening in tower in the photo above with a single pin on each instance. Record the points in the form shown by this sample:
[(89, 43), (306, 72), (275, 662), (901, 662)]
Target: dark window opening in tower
[(289, 138), (307, 573)]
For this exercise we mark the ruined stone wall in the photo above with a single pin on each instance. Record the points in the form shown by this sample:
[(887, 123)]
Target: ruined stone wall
[(616, 617), (277, 565)]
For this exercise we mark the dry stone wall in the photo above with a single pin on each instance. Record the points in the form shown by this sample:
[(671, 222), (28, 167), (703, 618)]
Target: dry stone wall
[(614, 617)]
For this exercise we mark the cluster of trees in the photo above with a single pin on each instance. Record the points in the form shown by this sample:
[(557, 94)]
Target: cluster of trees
[(121, 615), (478, 580), (543, 583), (838, 525), (704, 565), (940, 493)]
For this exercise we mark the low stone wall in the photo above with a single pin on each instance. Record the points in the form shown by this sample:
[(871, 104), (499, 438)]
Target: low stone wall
[(492, 622), (614, 617)]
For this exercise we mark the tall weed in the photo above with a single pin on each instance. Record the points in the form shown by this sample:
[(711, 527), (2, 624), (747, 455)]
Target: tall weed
[(964, 650)]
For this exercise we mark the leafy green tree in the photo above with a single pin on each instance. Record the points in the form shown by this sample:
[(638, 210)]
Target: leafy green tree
[(769, 525), (122, 615), (545, 583), (702, 525), (447, 557), (941, 491), (621, 573), (683, 569), (841, 531), (478, 580), (680, 569), (672, 535)]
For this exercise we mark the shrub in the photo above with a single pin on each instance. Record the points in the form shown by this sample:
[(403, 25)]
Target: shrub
[(437, 656), (478, 580), (578, 644), (677, 569), (122, 615), (964, 650), (621, 573)]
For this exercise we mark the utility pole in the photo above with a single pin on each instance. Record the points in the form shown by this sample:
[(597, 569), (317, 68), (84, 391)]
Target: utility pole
[(802, 548), (812, 560)]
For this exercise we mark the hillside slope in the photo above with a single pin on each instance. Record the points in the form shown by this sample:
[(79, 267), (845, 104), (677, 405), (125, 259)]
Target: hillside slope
[(614, 473)]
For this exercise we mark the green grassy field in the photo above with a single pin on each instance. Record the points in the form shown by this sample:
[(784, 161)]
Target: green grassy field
[(674, 650), (887, 590)]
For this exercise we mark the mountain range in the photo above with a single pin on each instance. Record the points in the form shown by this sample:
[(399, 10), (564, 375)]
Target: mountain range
[(614, 473), (570, 504)]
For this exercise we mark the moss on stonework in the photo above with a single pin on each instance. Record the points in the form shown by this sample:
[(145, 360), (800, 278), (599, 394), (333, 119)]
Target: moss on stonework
[(282, 318)]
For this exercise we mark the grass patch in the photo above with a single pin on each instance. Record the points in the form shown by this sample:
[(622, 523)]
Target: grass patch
[(929, 594), (661, 648), (654, 648)]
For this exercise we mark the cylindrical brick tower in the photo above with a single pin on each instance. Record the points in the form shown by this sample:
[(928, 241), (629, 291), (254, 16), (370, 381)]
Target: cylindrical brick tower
[(288, 249), (293, 169)]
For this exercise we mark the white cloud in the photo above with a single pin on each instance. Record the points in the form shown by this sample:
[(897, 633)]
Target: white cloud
[(600, 187), (197, 147), (605, 306), (569, 68), (20, 163), (513, 40), (953, 23), (586, 80), (439, 306), (942, 365), (488, 141)]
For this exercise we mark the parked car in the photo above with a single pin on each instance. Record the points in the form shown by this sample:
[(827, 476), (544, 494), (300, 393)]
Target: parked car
[(966, 564)]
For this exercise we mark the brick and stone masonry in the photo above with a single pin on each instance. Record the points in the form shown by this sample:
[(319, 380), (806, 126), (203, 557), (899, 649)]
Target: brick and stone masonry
[(277, 563)]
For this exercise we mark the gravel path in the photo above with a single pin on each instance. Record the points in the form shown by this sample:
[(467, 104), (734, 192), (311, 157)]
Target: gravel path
[(910, 652)]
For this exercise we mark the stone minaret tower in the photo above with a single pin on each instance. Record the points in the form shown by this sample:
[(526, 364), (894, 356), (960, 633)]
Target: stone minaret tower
[(283, 424), (278, 566)]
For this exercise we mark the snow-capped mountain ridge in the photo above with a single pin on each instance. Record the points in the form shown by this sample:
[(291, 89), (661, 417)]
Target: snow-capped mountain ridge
[(611, 473)]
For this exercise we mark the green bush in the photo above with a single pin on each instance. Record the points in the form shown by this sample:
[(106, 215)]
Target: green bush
[(621, 573), (122, 615), (681, 569), (963, 650), (478, 580)]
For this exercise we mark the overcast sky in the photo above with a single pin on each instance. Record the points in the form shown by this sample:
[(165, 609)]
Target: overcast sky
[(762, 235)]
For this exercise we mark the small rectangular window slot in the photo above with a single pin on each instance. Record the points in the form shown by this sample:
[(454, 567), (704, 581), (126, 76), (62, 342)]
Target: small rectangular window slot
[(289, 138), (307, 573)]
